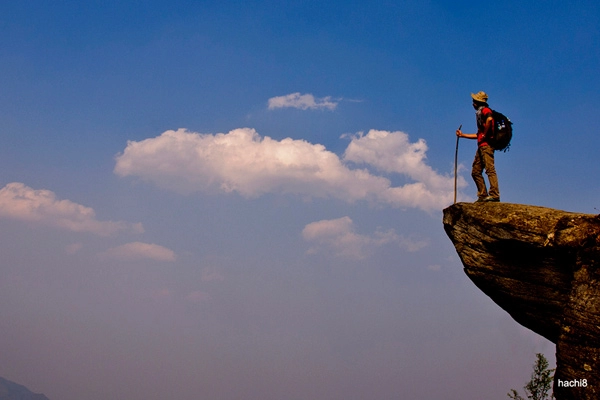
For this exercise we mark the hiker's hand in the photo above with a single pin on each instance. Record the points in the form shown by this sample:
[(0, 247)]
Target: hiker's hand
[(458, 133)]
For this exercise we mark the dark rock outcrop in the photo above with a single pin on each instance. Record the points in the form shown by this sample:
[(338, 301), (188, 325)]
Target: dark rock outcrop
[(13, 391), (542, 266)]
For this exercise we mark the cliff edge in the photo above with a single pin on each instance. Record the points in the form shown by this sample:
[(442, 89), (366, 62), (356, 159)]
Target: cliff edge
[(541, 266)]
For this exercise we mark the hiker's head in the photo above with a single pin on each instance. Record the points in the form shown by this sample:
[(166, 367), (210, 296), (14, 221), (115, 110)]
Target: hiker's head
[(479, 99)]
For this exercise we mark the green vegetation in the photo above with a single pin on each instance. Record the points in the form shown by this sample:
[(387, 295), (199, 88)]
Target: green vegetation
[(540, 384)]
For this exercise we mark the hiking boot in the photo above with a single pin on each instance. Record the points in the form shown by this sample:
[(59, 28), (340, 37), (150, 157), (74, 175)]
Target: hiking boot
[(480, 199), (492, 199)]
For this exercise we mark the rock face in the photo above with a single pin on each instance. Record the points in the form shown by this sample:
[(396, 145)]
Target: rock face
[(542, 266)]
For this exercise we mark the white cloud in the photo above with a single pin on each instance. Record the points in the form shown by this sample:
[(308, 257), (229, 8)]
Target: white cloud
[(338, 236), (301, 101), (392, 152), (140, 251), (244, 162), (23, 203)]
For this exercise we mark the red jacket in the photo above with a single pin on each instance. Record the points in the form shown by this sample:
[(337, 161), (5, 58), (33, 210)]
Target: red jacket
[(482, 116)]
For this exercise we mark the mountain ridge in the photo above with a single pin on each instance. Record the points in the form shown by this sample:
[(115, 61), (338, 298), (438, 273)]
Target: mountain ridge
[(13, 391)]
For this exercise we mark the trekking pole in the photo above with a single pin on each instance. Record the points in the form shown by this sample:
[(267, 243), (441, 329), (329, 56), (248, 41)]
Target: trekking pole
[(456, 163)]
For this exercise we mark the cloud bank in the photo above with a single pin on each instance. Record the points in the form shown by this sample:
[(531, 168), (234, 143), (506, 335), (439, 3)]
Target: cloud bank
[(392, 152), (244, 162), (141, 251), (301, 101), (20, 202), (338, 236)]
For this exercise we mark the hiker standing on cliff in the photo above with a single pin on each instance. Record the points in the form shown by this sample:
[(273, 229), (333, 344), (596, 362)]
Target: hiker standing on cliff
[(484, 158)]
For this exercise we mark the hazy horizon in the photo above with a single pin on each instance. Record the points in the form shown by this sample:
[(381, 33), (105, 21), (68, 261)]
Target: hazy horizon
[(231, 199)]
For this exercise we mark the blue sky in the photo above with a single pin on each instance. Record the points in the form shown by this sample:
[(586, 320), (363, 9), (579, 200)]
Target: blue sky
[(243, 199)]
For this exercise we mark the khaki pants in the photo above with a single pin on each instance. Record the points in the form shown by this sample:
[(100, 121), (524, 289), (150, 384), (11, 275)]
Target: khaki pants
[(484, 160)]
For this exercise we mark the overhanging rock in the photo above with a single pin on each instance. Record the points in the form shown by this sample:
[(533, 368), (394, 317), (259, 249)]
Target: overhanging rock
[(541, 266)]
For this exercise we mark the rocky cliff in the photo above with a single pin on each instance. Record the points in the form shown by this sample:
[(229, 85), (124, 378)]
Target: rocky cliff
[(542, 266)]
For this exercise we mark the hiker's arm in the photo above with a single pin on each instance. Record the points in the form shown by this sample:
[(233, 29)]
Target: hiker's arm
[(466, 135)]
